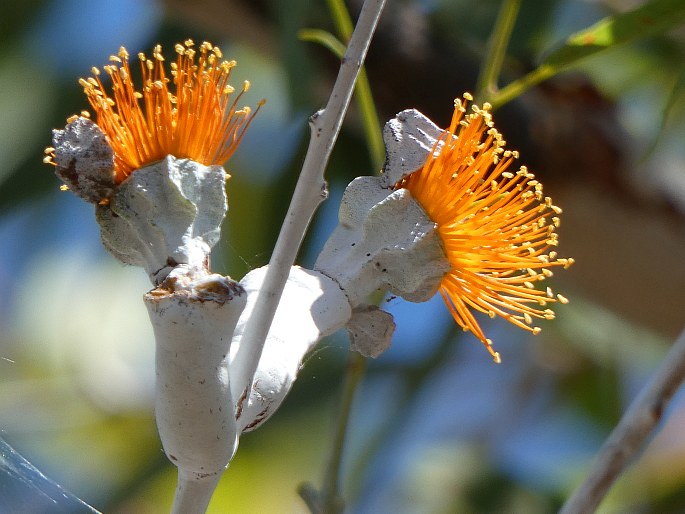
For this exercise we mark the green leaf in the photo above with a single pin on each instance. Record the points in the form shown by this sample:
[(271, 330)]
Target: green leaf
[(341, 18), (325, 39), (652, 18)]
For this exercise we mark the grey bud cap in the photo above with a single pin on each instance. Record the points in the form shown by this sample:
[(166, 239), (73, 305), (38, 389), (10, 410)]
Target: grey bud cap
[(84, 160), (409, 139)]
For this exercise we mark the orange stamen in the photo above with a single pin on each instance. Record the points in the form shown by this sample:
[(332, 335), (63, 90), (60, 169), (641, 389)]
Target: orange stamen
[(191, 114), (496, 227)]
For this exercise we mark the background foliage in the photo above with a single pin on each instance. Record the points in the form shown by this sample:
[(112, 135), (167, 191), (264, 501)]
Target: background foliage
[(437, 427)]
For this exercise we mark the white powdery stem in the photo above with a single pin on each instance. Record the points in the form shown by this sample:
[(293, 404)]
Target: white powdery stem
[(312, 306), (165, 218), (193, 322), (193, 494), (165, 215)]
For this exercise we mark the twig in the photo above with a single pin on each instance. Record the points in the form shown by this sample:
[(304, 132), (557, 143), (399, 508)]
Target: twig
[(310, 191), (330, 490), (328, 499), (497, 48), (518, 87), (627, 438)]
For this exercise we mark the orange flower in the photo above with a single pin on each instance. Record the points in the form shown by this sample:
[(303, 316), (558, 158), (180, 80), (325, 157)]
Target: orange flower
[(496, 227), (196, 118)]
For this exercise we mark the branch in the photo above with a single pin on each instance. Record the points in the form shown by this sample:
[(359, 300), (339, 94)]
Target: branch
[(627, 438), (310, 191)]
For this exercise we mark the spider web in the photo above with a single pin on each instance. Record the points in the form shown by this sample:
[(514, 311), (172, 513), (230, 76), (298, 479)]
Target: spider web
[(23, 488)]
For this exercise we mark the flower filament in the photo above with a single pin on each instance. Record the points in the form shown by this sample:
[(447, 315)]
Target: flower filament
[(496, 226), (190, 113)]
